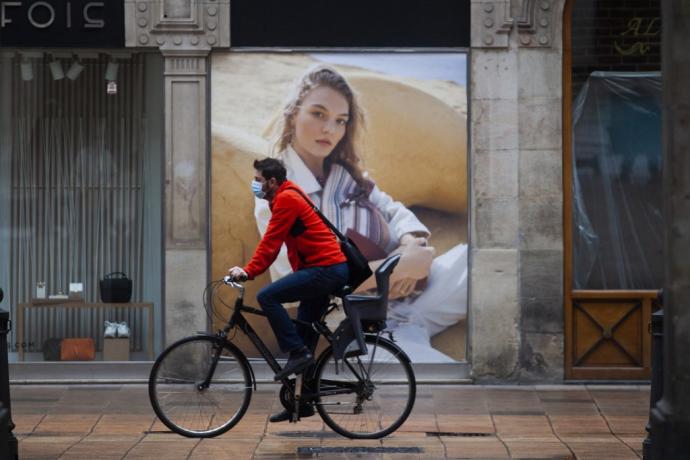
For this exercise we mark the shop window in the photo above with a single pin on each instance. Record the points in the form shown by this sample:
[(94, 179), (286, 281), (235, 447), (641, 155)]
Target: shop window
[(616, 145), (81, 196)]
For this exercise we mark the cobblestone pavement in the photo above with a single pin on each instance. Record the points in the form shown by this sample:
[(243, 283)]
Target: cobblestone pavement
[(448, 422)]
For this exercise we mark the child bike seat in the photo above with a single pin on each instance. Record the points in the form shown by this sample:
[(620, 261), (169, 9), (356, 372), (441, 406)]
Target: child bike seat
[(364, 312)]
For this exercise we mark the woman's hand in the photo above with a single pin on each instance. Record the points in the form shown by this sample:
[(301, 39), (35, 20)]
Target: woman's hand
[(415, 261), (411, 238), (414, 265)]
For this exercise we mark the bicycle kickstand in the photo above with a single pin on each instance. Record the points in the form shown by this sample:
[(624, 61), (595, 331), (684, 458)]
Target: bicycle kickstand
[(298, 396)]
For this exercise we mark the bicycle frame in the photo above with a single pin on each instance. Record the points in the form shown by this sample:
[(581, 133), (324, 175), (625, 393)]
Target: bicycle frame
[(238, 320)]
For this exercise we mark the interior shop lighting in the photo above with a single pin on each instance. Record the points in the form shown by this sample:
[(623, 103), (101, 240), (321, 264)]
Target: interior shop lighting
[(26, 69), (111, 71), (56, 70), (75, 69)]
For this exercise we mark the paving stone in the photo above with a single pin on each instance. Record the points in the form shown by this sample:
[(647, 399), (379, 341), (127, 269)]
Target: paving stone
[(515, 401), (224, 448), (621, 402), (284, 447), (570, 408), (547, 447), (30, 408), (95, 437), (560, 394), (345, 442), (100, 449), (66, 409), (566, 425), (465, 423), (522, 426), (45, 448), (634, 442), (598, 447), (25, 423), (67, 423), (419, 425), (308, 424), (466, 401), (627, 425), (424, 456), (159, 427), (431, 445), (123, 423), (475, 448), (167, 448)]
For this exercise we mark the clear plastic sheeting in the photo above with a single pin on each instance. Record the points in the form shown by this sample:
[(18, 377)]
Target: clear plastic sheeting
[(617, 191)]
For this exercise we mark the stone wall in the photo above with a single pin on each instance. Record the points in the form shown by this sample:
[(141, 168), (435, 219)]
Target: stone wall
[(516, 297)]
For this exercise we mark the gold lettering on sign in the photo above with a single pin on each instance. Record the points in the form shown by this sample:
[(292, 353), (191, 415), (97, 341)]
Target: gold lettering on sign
[(643, 29)]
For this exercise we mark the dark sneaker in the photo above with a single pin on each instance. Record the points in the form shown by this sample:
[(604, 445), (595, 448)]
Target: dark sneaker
[(298, 361), (304, 411)]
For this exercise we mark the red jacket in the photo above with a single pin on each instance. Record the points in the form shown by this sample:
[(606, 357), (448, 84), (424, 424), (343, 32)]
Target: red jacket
[(310, 243)]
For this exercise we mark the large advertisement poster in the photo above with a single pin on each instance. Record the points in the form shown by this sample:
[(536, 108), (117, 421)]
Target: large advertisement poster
[(402, 187)]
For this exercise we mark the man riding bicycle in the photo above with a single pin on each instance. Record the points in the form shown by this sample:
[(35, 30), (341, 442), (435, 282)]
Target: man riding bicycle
[(319, 268)]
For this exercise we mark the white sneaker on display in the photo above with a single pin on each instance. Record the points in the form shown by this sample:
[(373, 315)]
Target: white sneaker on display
[(110, 330), (122, 329)]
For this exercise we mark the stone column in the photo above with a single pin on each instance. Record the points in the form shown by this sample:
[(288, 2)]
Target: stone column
[(516, 263), (671, 415), (184, 31), (186, 200)]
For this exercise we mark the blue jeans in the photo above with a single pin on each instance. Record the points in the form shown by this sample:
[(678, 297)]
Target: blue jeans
[(311, 286)]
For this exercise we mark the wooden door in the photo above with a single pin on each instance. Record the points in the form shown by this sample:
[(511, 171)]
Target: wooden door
[(607, 334)]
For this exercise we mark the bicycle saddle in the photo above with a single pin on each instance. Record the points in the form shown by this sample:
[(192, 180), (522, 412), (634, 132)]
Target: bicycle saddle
[(368, 311)]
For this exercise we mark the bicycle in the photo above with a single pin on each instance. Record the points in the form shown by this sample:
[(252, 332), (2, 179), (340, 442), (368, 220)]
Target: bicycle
[(363, 385)]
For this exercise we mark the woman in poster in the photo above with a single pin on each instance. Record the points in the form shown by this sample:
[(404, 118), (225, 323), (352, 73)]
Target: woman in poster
[(317, 139)]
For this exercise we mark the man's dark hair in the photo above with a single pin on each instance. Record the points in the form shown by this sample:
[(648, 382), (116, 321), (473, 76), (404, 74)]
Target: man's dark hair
[(271, 167)]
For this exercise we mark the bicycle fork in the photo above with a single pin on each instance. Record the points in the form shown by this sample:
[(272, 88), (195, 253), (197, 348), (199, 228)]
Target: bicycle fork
[(212, 369)]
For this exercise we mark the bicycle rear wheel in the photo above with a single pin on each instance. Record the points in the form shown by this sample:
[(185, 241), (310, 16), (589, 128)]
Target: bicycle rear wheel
[(371, 396), (188, 403)]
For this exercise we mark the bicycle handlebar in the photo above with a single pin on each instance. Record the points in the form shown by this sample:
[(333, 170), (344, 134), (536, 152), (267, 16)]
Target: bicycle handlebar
[(237, 284)]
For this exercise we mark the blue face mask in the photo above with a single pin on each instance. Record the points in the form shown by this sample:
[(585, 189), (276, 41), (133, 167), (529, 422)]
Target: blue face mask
[(257, 189)]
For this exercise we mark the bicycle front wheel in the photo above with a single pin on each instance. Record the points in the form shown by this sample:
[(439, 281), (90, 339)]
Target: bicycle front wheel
[(371, 395), (200, 386)]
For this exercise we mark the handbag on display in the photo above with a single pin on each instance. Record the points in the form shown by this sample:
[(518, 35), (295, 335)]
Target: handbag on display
[(357, 264), (115, 287), (51, 349), (79, 349)]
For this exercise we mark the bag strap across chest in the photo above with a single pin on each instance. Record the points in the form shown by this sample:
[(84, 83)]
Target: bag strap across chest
[(328, 223)]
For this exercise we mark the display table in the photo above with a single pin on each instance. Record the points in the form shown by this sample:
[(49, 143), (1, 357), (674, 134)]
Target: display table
[(70, 303)]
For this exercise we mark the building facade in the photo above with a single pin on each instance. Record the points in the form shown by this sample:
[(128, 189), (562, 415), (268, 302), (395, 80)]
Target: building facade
[(525, 312)]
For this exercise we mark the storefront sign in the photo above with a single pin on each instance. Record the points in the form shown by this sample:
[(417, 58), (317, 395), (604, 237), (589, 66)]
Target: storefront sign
[(638, 36), (60, 23), (352, 24)]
